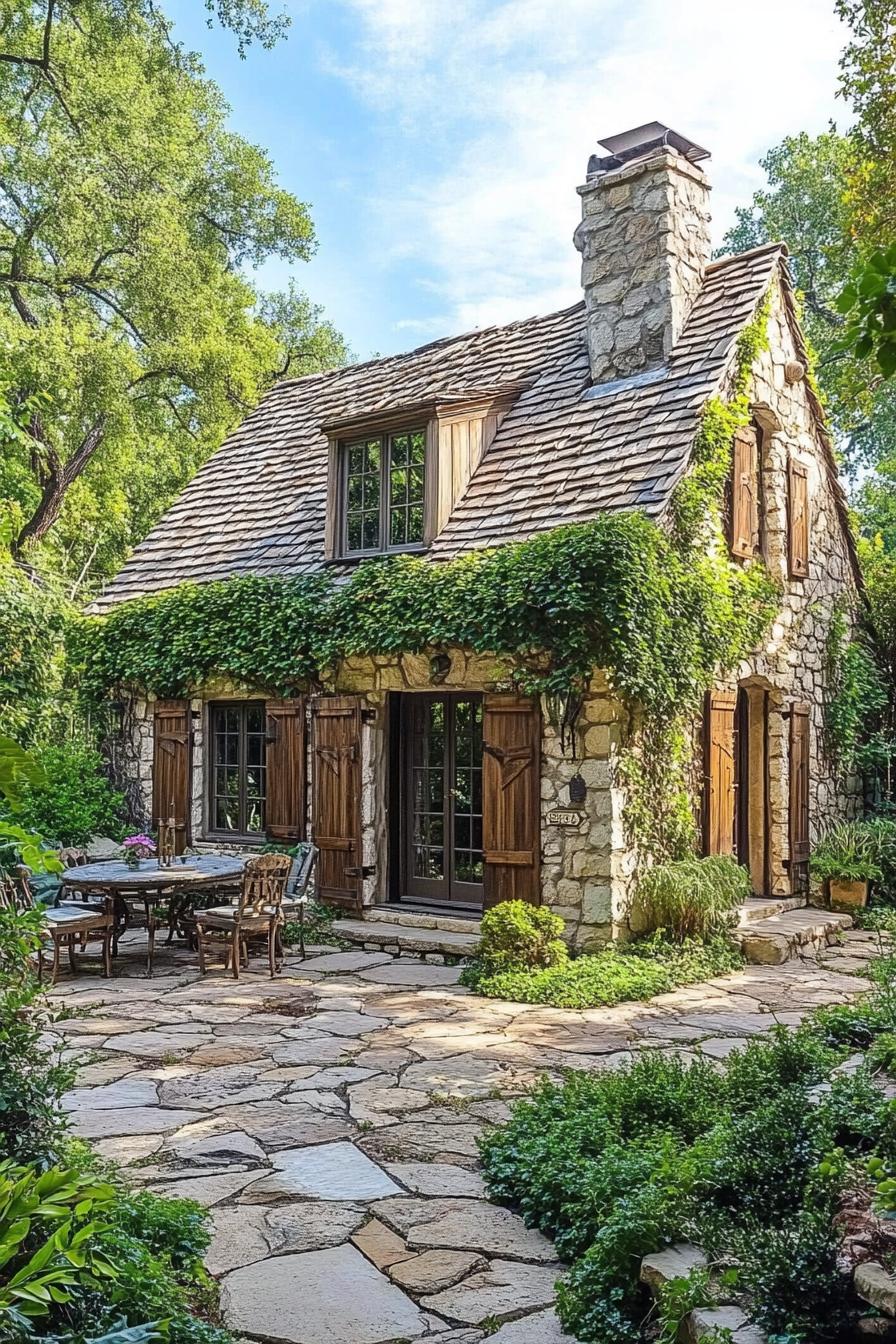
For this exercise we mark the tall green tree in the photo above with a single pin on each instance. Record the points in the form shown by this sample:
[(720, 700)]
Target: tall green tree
[(131, 335)]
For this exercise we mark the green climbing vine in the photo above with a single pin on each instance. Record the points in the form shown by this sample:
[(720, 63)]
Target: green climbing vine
[(657, 768), (660, 609)]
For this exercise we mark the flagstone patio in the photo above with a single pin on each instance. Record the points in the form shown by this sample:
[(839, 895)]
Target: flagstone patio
[(329, 1120)]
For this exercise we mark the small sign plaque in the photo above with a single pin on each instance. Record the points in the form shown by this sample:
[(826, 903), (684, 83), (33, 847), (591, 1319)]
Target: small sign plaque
[(564, 818)]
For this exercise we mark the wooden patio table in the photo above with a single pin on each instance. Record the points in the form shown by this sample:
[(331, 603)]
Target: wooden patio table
[(154, 885)]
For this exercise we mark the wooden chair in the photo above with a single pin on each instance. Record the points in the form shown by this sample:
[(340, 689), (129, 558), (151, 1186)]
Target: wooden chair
[(257, 914), (64, 924), (298, 888)]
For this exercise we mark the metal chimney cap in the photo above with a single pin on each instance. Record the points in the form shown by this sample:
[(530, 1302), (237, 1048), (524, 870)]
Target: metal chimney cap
[(636, 143)]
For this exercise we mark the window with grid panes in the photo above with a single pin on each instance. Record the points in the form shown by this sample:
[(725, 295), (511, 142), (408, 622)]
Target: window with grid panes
[(384, 492), (237, 782)]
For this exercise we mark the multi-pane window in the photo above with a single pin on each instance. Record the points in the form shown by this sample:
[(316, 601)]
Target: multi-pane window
[(237, 778), (384, 487)]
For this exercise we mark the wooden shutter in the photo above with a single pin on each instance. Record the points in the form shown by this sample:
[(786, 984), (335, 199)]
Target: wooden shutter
[(171, 768), (511, 790), (798, 520), (285, 761), (336, 797), (745, 493), (800, 724), (719, 773)]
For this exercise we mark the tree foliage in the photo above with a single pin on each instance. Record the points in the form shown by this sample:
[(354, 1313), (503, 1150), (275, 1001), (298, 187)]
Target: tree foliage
[(131, 339)]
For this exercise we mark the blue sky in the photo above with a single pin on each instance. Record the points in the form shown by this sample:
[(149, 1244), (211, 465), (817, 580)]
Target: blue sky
[(439, 142)]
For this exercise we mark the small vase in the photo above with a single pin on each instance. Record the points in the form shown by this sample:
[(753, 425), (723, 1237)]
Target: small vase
[(134, 864)]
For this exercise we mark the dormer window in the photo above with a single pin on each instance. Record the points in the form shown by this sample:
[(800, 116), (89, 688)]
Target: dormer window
[(384, 478)]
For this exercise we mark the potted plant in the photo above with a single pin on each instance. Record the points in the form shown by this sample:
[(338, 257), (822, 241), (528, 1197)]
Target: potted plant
[(135, 848), (845, 859)]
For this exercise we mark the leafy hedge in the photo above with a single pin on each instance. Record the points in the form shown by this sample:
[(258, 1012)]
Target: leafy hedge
[(74, 799), (747, 1159)]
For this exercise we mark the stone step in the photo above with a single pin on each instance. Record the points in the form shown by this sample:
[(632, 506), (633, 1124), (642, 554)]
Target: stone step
[(777, 938), (710, 1323), (765, 907), (421, 919), (402, 939)]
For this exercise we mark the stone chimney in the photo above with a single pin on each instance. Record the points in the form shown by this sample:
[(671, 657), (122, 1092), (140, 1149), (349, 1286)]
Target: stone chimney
[(644, 240)]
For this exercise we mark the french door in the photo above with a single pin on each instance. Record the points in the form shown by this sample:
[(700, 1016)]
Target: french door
[(441, 803)]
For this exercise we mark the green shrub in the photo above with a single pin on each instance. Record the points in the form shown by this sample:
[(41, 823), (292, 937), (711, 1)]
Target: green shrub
[(48, 1239), (32, 1077), (738, 1157), (75, 800), (518, 936), (629, 971), (693, 898)]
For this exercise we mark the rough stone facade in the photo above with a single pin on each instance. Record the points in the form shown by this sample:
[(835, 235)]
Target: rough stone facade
[(645, 243)]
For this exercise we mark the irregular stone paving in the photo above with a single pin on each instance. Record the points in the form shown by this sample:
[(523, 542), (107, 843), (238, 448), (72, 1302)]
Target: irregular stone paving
[(329, 1120)]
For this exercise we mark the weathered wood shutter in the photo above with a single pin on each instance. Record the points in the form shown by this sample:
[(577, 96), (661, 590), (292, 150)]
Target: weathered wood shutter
[(336, 797), (800, 727), (285, 762), (719, 773), (511, 821), (798, 520), (745, 493), (171, 768)]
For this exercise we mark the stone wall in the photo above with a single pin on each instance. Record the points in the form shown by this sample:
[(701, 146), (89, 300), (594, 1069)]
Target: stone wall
[(793, 664)]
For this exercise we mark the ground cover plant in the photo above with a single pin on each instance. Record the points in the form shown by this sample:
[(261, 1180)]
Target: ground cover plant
[(689, 904), (751, 1159)]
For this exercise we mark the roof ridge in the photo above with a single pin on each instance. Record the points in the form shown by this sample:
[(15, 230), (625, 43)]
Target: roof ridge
[(750, 252), (441, 341)]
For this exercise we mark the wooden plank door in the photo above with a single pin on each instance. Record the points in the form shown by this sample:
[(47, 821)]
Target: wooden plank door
[(171, 768), (336, 797), (285, 768), (511, 806)]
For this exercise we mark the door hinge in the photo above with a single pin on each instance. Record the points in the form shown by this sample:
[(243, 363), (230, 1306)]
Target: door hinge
[(368, 715), (366, 870)]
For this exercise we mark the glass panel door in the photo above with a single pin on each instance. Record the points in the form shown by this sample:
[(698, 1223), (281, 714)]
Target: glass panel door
[(442, 803)]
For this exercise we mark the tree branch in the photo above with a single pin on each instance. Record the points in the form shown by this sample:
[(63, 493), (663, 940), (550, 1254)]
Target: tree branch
[(58, 482)]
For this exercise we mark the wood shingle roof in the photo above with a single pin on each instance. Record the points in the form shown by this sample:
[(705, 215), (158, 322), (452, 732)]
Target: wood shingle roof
[(564, 452)]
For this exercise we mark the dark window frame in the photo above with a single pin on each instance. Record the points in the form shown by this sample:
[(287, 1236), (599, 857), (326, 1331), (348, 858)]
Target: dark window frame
[(243, 707), (385, 507)]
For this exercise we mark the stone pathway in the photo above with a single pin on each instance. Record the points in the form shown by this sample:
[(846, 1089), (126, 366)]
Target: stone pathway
[(329, 1120)]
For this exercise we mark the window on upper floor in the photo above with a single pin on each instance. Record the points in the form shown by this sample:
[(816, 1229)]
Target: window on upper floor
[(382, 494), (745, 512)]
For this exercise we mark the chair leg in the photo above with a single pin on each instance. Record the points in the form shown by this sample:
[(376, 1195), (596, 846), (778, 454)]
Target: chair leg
[(272, 949), (236, 953), (150, 938), (107, 954), (55, 960), (200, 947), (71, 953)]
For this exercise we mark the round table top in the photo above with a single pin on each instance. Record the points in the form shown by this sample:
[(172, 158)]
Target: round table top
[(115, 873)]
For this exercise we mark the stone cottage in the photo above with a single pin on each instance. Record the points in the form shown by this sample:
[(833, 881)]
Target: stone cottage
[(428, 784)]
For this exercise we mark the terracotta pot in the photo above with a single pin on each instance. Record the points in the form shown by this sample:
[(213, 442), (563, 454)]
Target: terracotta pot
[(846, 894)]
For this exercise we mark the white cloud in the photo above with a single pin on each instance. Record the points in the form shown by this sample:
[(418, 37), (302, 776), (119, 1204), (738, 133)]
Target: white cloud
[(489, 109)]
